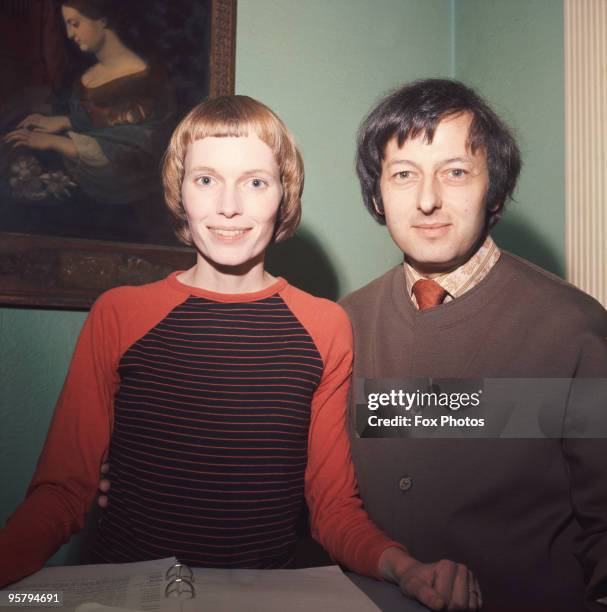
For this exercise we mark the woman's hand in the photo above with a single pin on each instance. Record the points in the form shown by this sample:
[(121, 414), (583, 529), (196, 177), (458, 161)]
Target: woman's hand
[(42, 123), (40, 141), (33, 140), (444, 585)]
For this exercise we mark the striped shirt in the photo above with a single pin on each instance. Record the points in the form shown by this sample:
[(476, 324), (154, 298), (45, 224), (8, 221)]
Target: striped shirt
[(212, 417), (219, 413)]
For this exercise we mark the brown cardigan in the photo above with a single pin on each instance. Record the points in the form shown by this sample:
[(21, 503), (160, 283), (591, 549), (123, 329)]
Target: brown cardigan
[(528, 516)]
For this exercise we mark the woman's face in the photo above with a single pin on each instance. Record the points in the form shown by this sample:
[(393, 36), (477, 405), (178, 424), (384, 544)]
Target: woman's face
[(88, 34), (231, 192)]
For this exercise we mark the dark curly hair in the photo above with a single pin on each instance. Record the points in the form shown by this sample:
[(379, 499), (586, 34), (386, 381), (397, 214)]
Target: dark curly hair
[(417, 108)]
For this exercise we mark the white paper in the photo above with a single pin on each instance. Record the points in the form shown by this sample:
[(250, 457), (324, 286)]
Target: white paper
[(138, 586), (312, 589), (96, 607), (141, 586)]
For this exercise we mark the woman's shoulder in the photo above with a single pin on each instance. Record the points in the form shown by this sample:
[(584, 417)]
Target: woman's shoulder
[(310, 300), (130, 98), (99, 76), (317, 312), (125, 298)]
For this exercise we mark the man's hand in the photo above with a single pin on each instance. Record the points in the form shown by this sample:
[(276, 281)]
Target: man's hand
[(444, 585), (104, 486)]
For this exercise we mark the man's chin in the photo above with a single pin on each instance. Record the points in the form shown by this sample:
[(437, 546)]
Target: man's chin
[(435, 264)]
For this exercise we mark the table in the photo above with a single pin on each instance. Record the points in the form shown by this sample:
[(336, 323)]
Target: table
[(387, 597)]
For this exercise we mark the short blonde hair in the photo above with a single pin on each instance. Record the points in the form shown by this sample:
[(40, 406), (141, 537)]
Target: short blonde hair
[(235, 116)]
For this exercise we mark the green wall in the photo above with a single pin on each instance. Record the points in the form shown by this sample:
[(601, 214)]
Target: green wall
[(520, 70), (35, 350), (321, 64)]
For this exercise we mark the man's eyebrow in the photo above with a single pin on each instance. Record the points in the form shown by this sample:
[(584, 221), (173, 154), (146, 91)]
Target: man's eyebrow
[(395, 162), (465, 159)]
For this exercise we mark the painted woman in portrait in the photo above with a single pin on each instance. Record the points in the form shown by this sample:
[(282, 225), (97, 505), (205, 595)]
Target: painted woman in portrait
[(111, 140)]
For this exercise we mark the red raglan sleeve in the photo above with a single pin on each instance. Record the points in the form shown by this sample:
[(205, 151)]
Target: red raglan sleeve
[(338, 519), (67, 474)]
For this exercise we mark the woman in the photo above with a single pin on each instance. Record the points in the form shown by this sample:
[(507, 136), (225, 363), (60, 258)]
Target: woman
[(112, 138)]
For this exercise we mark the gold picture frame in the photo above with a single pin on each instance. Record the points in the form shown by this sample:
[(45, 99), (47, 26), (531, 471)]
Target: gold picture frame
[(37, 269)]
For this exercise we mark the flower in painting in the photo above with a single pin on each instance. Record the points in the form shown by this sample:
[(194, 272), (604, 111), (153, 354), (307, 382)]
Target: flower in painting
[(58, 184)]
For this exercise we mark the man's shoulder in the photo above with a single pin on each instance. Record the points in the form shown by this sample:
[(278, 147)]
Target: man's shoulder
[(369, 294), (535, 286)]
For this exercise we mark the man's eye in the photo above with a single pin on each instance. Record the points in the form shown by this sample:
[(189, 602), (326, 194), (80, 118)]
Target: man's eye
[(457, 173), (403, 175)]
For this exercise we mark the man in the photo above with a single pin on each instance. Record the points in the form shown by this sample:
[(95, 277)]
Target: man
[(527, 516)]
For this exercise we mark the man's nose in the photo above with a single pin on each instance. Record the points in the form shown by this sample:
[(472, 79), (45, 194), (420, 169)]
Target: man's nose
[(229, 203), (429, 195)]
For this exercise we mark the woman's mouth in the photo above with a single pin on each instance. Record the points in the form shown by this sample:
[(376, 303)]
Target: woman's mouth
[(224, 233)]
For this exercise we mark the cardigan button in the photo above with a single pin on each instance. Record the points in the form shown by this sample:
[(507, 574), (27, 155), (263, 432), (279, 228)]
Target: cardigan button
[(405, 483)]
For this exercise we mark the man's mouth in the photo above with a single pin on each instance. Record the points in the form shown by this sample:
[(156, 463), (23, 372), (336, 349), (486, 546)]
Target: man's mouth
[(432, 230), (431, 226)]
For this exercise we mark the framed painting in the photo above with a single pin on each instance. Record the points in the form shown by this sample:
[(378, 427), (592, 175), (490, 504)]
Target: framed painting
[(91, 91)]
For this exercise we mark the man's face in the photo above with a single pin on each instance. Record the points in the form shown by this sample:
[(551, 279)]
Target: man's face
[(434, 195)]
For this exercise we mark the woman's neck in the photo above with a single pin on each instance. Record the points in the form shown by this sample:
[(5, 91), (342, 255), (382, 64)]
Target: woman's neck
[(227, 279), (113, 54)]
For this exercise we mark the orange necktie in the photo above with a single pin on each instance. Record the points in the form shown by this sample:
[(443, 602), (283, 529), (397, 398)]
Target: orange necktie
[(428, 293)]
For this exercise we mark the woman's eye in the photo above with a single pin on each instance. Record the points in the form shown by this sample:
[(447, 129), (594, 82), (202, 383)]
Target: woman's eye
[(403, 175), (257, 183), (204, 180)]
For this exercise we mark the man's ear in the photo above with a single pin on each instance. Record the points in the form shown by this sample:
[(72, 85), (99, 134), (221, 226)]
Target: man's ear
[(491, 219)]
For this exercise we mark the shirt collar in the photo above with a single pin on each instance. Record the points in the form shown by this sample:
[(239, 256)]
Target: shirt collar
[(462, 279)]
